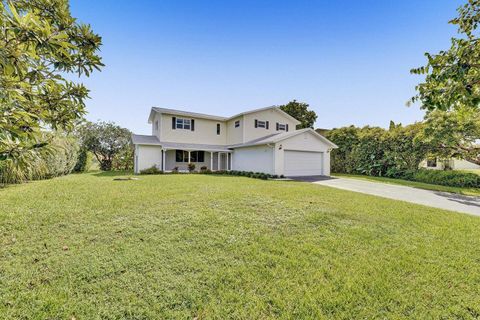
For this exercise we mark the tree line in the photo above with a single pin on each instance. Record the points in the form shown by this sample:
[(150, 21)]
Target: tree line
[(42, 111)]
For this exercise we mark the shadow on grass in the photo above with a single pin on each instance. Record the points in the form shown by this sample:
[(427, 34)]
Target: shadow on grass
[(112, 173)]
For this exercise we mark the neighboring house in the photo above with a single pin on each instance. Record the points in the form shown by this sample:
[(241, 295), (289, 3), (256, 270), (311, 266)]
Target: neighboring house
[(452, 163), (263, 140)]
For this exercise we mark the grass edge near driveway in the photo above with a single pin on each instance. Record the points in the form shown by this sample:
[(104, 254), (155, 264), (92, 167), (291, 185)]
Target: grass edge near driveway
[(413, 184)]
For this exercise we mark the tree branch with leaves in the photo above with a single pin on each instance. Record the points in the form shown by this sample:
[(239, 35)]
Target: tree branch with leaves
[(40, 42)]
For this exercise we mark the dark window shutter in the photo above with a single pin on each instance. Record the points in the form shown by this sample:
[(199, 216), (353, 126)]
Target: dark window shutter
[(266, 125), (256, 123), (218, 128), (286, 127), (174, 121), (192, 125), (277, 126)]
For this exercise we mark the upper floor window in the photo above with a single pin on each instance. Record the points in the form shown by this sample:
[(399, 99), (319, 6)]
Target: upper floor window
[(181, 123), (237, 123), (282, 127), (261, 124), (218, 128)]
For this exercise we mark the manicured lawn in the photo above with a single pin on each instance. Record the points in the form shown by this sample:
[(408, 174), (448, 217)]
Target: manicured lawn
[(414, 184), (196, 246)]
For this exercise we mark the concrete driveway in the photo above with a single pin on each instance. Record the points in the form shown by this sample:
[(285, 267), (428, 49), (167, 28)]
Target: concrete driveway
[(436, 199)]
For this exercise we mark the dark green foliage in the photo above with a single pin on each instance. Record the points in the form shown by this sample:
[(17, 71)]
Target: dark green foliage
[(447, 178), (377, 152), (84, 161), (299, 110), (151, 170), (255, 175), (191, 167)]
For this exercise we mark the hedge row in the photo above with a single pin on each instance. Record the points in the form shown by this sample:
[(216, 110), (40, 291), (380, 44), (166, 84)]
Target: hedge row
[(56, 159), (203, 170), (445, 178)]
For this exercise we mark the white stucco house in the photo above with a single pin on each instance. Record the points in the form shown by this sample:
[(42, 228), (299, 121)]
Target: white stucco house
[(435, 163), (263, 140)]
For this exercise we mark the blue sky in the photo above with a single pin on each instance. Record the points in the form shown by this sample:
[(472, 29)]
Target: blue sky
[(349, 60)]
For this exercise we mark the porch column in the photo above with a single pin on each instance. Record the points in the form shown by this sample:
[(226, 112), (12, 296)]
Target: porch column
[(218, 161), (229, 168), (211, 160), (231, 161), (163, 159), (189, 159)]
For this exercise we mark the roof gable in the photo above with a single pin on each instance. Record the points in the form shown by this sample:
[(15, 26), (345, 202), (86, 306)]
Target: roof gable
[(212, 117), (284, 136)]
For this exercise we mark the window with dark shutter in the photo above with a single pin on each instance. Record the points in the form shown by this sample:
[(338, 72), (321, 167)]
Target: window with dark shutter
[(193, 125), (174, 123)]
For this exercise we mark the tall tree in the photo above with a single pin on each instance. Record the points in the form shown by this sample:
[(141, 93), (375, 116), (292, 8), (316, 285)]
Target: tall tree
[(299, 110), (40, 42), (453, 76), (107, 141)]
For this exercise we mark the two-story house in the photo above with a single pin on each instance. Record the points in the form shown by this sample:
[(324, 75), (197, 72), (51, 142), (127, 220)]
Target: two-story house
[(262, 140)]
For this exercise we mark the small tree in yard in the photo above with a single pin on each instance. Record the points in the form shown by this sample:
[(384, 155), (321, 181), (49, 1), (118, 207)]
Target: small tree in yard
[(107, 142)]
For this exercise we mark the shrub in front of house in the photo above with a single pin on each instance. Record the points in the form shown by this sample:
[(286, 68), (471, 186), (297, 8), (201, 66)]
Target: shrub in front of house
[(250, 174), (151, 170), (191, 167)]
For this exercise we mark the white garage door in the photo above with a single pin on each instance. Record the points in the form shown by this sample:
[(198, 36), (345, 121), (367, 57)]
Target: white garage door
[(303, 163)]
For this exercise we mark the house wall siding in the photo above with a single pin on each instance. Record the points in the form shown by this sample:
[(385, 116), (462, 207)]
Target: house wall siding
[(205, 131), (271, 115), (235, 135), (147, 156), (256, 159)]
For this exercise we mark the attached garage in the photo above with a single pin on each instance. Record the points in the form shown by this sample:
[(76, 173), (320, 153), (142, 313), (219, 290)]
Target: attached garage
[(303, 163), (292, 154)]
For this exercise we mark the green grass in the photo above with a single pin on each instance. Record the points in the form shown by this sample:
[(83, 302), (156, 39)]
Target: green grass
[(219, 247), (414, 184)]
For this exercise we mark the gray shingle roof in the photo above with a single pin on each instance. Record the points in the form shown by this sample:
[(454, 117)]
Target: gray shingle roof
[(218, 118), (194, 146), (142, 139), (273, 138)]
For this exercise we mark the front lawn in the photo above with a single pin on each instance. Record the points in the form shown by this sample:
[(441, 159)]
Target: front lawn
[(414, 184), (198, 246)]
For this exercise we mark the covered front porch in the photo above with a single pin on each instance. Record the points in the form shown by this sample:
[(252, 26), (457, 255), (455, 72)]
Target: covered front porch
[(180, 158)]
